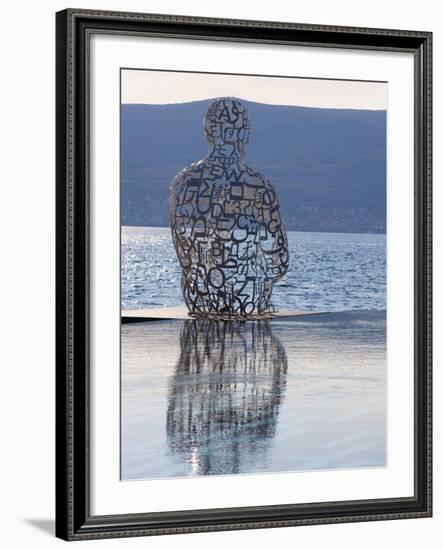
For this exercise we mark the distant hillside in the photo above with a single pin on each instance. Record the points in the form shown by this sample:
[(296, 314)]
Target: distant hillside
[(328, 165)]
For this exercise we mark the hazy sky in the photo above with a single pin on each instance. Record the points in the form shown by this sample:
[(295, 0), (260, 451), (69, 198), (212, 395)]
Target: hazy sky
[(160, 87)]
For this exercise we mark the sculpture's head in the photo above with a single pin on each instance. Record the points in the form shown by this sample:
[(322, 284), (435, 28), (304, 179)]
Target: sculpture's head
[(226, 125)]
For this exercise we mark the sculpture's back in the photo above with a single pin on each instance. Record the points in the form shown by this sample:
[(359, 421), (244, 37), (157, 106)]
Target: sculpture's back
[(226, 224)]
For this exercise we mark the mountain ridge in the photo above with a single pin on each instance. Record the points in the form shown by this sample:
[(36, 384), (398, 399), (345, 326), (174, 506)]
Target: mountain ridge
[(328, 165)]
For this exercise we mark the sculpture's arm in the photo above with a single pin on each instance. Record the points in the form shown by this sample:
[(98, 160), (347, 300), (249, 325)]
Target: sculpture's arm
[(179, 218), (183, 199), (274, 242)]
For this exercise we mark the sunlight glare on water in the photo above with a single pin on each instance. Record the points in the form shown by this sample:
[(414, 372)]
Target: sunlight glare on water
[(327, 272)]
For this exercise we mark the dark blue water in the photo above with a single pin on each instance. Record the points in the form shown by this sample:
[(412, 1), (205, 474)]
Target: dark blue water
[(328, 271)]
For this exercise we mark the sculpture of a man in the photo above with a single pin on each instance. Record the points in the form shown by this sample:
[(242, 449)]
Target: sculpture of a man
[(226, 223)]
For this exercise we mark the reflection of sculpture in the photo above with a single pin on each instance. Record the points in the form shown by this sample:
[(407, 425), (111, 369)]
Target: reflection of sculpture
[(226, 225), (225, 395)]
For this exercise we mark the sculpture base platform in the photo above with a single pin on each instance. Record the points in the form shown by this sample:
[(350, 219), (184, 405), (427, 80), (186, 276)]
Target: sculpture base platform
[(181, 312)]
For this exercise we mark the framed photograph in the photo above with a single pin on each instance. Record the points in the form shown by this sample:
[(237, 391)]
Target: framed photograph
[(243, 274)]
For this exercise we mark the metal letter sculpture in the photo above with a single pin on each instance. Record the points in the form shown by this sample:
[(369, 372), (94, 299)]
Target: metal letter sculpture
[(226, 224)]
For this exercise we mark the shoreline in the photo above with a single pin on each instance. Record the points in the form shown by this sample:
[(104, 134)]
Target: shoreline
[(288, 230)]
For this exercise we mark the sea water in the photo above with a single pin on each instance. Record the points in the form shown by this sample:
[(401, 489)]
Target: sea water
[(327, 271)]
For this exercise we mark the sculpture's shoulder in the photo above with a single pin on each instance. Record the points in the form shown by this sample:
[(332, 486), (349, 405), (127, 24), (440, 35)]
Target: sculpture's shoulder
[(253, 176), (185, 181), (264, 186), (192, 171)]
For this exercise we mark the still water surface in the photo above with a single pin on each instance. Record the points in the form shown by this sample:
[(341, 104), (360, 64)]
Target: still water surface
[(217, 398)]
